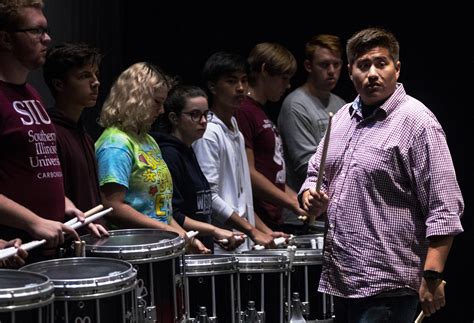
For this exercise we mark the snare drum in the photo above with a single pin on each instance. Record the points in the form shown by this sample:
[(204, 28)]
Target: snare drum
[(25, 297), (90, 290), (155, 254), (263, 280), (305, 275), (210, 282)]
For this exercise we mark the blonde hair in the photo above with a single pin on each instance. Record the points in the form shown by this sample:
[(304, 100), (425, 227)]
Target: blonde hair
[(10, 12), (130, 103), (330, 42)]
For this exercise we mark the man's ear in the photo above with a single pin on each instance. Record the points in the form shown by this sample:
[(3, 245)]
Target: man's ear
[(307, 65), (212, 87), (58, 85)]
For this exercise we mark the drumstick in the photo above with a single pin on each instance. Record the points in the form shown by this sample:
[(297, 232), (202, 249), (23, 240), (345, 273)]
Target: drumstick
[(277, 241), (86, 214), (236, 237), (8, 252), (322, 164), (421, 316), (192, 234)]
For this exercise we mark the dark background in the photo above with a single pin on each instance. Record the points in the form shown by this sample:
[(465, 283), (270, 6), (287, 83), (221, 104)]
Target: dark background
[(437, 66)]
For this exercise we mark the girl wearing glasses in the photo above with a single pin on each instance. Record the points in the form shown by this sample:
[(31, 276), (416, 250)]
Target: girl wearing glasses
[(185, 121)]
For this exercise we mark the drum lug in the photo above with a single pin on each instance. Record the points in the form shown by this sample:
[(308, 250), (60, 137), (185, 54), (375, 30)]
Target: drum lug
[(305, 308), (146, 314), (251, 315), (296, 309)]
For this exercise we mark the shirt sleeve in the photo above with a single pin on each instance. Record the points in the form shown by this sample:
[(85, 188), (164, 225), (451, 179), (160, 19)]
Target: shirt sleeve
[(295, 126), (175, 167), (207, 150), (434, 179), (114, 163), (247, 126)]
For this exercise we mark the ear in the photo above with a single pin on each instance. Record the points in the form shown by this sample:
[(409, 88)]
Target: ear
[(212, 87), (307, 65), (397, 67), (58, 85), (173, 118), (349, 70), (6, 41)]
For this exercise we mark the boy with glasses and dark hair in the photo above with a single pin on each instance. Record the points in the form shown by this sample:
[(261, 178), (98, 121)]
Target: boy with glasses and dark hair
[(32, 199)]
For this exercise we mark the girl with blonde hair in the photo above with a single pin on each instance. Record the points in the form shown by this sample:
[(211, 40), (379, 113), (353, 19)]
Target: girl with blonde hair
[(133, 176)]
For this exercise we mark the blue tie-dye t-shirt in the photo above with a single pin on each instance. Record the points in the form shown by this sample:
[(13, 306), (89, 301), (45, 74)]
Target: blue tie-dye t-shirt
[(136, 163)]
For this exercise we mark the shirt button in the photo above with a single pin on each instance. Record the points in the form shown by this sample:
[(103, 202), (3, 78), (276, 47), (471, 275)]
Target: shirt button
[(331, 226)]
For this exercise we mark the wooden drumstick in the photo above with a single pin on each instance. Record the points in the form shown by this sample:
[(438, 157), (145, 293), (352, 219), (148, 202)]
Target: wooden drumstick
[(322, 163), (86, 214)]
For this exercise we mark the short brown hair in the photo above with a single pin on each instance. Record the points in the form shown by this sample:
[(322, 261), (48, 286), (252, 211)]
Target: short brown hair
[(278, 60), (330, 42), (10, 11), (366, 39)]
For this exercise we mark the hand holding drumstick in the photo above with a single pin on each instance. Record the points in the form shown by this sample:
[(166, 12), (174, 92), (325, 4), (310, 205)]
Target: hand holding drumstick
[(72, 224), (314, 201)]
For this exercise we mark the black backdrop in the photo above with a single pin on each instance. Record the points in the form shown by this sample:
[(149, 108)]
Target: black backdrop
[(436, 66)]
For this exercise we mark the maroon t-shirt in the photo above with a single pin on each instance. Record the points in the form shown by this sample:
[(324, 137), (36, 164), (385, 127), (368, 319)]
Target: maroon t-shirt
[(261, 135), (30, 172)]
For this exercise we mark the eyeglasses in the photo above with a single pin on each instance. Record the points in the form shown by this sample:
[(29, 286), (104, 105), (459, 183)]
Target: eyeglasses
[(37, 32), (196, 115)]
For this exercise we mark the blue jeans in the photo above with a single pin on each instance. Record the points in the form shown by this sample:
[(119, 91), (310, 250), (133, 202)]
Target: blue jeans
[(396, 309)]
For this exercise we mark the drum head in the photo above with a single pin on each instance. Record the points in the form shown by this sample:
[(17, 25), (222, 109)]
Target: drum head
[(209, 265), (86, 278), (136, 245), (24, 290)]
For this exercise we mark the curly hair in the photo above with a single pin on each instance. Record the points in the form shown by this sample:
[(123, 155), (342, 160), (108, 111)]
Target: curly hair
[(130, 103), (10, 12)]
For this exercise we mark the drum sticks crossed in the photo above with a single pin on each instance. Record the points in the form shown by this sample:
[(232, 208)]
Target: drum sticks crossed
[(322, 164), (90, 215)]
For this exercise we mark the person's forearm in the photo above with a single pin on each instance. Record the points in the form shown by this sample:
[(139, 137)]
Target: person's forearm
[(126, 216), (15, 215), (240, 224), (260, 225), (265, 190), (203, 227), (438, 251)]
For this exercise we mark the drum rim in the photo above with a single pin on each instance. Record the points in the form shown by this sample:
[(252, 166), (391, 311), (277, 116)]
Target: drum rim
[(88, 288), (139, 253), (26, 298), (209, 265)]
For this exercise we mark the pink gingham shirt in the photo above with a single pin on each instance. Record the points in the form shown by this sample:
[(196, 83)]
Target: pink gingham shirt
[(391, 183)]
